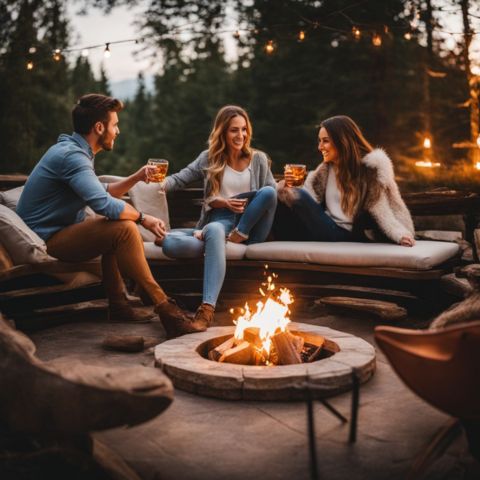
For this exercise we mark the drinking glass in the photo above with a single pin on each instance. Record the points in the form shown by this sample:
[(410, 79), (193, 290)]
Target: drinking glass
[(297, 171), (161, 169)]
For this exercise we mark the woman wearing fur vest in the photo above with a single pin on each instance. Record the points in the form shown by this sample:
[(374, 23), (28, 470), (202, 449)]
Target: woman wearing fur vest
[(351, 196)]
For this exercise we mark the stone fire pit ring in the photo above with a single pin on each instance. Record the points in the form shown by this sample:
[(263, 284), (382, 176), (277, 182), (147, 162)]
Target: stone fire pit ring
[(181, 360)]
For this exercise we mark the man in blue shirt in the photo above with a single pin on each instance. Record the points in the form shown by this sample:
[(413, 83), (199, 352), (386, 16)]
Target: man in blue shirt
[(53, 204)]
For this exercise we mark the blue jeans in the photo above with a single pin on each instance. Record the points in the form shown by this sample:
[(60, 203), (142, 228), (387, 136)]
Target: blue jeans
[(255, 223), (306, 220)]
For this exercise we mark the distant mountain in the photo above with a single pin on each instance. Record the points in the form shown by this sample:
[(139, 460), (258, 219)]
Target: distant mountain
[(126, 89)]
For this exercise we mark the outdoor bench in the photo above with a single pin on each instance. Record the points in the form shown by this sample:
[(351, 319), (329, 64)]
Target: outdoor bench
[(408, 276)]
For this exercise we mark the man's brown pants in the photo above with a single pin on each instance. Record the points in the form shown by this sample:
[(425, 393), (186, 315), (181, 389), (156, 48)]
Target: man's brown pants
[(121, 247)]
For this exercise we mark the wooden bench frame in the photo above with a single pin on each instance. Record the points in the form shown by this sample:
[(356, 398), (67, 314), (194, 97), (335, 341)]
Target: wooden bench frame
[(414, 289)]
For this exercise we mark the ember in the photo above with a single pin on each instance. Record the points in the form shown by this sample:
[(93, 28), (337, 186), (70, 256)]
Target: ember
[(262, 337)]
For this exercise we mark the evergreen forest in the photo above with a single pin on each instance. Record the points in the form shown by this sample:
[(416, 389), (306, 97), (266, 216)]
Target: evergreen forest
[(385, 63)]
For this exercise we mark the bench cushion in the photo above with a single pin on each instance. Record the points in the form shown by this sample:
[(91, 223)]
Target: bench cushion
[(235, 251), (423, 256)]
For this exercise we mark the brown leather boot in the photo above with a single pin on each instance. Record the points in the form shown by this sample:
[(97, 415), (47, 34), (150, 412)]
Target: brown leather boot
[(176, 321), (205, 314)]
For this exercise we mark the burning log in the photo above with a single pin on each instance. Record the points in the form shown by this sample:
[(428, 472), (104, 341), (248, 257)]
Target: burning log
[(217, 352), (287, 348), (242, 354), (251, 335)]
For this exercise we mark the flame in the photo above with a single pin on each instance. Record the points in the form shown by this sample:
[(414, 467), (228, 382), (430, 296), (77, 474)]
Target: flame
[(427, 142), (477, 165), (270, 316)]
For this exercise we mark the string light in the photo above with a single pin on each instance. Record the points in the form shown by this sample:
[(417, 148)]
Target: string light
[(107, 53), (301, 36), (30, 65), (356, 33), (269, 47), (377, 40), (85, 52), (32, 50), (57, 55), (236, 34), (407, 36)]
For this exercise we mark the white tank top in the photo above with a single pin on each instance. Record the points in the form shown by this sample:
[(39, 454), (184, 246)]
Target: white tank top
[(333, 202), (235, 182)]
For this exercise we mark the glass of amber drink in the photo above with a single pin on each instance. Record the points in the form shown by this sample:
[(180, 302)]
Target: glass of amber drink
[(296, 173), (161, 169)]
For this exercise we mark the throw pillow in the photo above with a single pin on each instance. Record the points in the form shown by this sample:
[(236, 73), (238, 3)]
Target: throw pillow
[(22, 244), (10, 198), (147, 198)]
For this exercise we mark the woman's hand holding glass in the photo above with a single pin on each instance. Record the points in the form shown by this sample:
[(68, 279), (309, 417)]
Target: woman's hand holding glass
[(236, 205)]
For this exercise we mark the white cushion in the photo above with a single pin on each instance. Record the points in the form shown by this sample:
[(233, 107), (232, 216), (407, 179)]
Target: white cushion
[(235, 251), (146, 198), (10, 198), (423, 256), (22, 244)]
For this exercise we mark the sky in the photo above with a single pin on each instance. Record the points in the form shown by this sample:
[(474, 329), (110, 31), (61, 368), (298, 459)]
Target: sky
[(99, 28)]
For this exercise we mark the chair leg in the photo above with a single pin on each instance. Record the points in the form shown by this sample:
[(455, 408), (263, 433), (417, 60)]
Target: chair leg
[(443, 438)]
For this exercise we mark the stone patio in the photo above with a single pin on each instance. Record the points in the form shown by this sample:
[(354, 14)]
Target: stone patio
[(200, 438)]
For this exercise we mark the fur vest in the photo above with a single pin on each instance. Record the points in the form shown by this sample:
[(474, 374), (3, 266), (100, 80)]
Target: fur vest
[(382, 203)]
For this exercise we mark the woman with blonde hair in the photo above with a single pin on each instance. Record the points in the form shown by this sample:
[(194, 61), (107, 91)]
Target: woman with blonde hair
[(351, 196), (239, 201)]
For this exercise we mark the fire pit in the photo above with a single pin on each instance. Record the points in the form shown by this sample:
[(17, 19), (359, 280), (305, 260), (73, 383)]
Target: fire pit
[(266, 356), (183, 360)]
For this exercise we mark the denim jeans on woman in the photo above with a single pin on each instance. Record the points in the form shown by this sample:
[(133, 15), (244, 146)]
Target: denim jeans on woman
[(255, 222), (306, 220)]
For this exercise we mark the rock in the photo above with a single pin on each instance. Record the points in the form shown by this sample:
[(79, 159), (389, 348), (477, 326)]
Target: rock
[(65, 398), (454, 285)]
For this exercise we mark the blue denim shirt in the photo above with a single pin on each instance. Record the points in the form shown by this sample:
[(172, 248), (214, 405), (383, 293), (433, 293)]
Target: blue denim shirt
[(61, 185)]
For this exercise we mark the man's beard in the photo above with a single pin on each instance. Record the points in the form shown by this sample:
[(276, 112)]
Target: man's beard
[(102, 142)]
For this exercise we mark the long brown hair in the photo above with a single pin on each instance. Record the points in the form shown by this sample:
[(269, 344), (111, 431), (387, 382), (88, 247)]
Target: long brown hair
[(217, 145), (351, 146)]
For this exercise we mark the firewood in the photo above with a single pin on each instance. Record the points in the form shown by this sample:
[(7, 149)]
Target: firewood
[(251, 335), (286, 349), (315, 354), (297, 341), (242, 354), (217, 352), (385, 310), (124, 343)]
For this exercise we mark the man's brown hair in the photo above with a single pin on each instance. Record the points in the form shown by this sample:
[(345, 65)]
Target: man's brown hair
[(93, 108)]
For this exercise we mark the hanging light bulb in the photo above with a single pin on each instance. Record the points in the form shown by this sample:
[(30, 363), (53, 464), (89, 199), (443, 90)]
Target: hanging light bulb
[(30, 65), (427, 142), (356, 33), (270, 47), (407, 36), (32, 50), (377, 40), (85, 52), (57, 55), (107, 53), (301, 36)]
